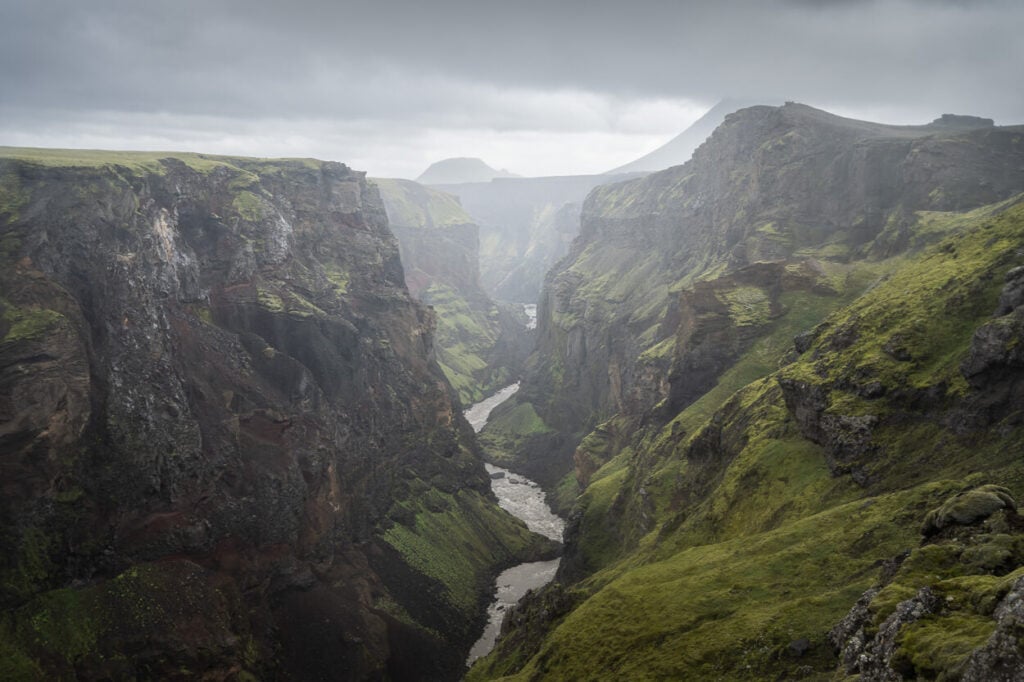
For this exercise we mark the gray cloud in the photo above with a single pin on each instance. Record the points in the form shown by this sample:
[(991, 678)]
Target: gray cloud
[(447, 63)]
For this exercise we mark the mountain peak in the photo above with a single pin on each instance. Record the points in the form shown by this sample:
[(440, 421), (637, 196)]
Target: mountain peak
[(678, 150), (461, 169)]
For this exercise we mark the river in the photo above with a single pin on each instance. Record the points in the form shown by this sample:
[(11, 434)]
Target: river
[(524, 499)]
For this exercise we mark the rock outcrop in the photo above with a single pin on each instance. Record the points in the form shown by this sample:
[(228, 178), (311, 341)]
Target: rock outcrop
[(226, 449)]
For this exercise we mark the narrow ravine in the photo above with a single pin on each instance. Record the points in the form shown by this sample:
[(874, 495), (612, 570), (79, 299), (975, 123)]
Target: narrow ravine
[(524, 499)]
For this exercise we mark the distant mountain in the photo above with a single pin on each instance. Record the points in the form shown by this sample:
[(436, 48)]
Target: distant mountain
[(459, 170), (679, 149)]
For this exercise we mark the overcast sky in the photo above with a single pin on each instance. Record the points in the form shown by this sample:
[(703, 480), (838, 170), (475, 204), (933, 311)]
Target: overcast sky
[(538, 87)]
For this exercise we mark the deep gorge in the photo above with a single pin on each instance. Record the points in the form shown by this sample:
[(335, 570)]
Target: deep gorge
[(775, 392)]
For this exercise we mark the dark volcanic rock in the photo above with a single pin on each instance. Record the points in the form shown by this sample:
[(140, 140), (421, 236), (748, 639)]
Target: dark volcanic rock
[(212, 377)]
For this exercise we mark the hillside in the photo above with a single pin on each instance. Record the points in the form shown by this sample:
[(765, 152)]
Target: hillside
[(776, 201), (226, 449), (786, 380), (480, 344)]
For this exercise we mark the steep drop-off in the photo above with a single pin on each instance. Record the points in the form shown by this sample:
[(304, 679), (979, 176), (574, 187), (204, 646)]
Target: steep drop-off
[(481, 345), (226, 450), (813, 454), (782, 214)]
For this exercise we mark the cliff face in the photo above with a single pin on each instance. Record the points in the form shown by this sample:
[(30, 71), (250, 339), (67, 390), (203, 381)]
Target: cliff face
[(816, 418), (627, 319), (480, 344), (226, 446)]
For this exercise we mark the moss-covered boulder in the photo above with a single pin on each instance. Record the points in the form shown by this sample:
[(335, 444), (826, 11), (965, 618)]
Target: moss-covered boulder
[(970, 506)]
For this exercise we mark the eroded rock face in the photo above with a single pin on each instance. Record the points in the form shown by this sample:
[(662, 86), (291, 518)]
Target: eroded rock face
[(212, 369), (773, 190)]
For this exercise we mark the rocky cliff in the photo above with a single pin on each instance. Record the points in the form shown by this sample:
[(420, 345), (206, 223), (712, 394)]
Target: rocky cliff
[(481, 345), (675, 274), (226, 449), (806, 386)]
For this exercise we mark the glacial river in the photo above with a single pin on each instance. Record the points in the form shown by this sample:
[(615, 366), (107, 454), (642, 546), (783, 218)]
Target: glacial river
[(524, 499)]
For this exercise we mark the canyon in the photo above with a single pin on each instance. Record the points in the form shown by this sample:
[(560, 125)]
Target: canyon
[(776, 391)]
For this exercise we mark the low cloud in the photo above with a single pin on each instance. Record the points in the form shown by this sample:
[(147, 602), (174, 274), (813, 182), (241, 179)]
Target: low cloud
[(329, 77)]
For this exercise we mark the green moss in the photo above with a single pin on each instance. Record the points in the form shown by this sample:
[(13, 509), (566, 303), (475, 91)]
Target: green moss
[(410, 204), (969, 507), (249, 206), (28, 323), (464, 342), (65, 621), (511, 426), (753, 542), (30, 566), (13, 199), (453, 540), (146, 162), (290, 302), (270, 301), (941, 644), (338, 277), (748, 306), (524, 420), (15, 664), (599, 542), (710, 611)]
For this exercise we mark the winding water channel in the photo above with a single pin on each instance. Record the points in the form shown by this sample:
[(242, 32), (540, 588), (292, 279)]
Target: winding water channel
[(524, 499)]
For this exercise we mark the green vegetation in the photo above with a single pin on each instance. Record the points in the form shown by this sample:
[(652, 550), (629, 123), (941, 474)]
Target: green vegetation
[(249, 206), (85, 628), (12, 199), (436, 523), (714, 541), (464, 341), (410, 204), (287, 301), (136, 161), (508, 428), (338, 277), (748, 306), (27, 323)]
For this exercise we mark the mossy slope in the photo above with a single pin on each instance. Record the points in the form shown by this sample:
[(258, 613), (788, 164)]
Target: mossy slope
[(630, 307), (725, 541)]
